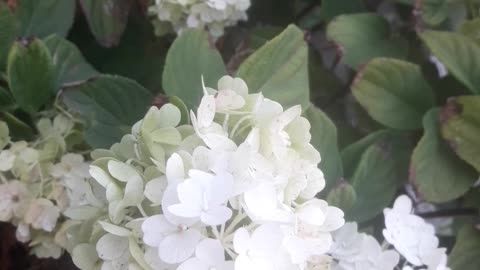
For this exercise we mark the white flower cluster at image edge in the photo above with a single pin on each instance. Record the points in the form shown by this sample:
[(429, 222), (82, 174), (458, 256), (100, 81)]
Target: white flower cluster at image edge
[(214, 15), (410, 235), (38, 186)]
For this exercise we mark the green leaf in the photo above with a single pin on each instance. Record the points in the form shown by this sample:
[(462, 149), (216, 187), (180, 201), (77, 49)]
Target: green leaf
[(110, 105), (7, 32), (31, 75), (19, 130), (458, 53), (381, 170), (324, 139), (6, 100), (191, 57), (363, 37), (279, 69), (466, 252), (460, 126), (437, 174), (45, 17), (342, 196), (333, 8), (471, 29), (352, 153), (394, 93), (433, 12), (69, 64), (107, 19)]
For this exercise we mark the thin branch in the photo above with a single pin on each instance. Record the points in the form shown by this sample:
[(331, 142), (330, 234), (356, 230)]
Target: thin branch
[(450, 213)]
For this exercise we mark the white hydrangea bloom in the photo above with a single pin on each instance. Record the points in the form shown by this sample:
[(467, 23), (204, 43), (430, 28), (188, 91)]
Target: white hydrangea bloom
[(214, 15), (218, 193), (33, 194), (409, 234), (413, 237)]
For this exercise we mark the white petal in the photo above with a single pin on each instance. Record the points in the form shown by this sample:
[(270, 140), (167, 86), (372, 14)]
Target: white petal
[(175, 167), (155, 228), (206, 111), (154, 189), (220, 189), (178, 247), (216, 215), (334, 219), (403, 204), (210, 251), (133, 191), (100, 175), (110, 247), (185, 210), (261, 201), (241, 240), (267, 239), (170, 116), (122, 171), (194, 264), (190, 192)]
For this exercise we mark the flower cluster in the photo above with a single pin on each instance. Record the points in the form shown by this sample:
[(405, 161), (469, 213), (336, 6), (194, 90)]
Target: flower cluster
[(233, 190), (213, 15), (410, 235), (40, 181)]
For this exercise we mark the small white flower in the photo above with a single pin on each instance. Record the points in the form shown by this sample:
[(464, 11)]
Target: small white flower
[(204, 196), (114, 251), (209, 255), (7, 159), (410, 234), (175, 242), (260, 250), (42, 214), (71, 166), (311, 233), (13, 199)]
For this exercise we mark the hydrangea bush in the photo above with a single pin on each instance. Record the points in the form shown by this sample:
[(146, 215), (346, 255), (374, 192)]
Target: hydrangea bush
[(317, 135)]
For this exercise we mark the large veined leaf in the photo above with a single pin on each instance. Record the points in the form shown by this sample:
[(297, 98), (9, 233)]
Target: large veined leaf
[(435, 171), (461, 128), (394, 93), (363, 37), (30, 74), (69, 64), (324, 139), (460, 54), (332, 8), (466, 252), (381, 170), (279, 69), (107, 19), (45, 17), (352, 154), (7, 32), (471, 29), (190, 57), (110, 105)]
